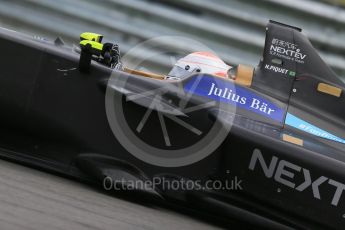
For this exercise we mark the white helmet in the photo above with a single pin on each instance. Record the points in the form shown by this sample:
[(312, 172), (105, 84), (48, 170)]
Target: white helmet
[(199, 62)]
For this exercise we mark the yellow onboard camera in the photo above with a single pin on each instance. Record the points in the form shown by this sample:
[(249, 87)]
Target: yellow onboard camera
[(92, 49)]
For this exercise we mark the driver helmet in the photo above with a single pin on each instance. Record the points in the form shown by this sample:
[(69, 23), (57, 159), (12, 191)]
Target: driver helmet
[(199, 62)]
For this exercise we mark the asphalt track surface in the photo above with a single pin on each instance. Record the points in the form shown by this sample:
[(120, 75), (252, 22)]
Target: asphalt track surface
[(31, 199)]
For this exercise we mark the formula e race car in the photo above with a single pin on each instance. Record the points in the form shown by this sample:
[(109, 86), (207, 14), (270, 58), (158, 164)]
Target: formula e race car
[(251, 148)]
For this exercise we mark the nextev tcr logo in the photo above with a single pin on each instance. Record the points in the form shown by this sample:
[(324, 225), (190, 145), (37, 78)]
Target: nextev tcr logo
[(284, 172), (287, 50)]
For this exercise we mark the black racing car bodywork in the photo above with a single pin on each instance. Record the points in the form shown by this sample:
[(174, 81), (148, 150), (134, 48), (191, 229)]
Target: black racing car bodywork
[(284, 153)]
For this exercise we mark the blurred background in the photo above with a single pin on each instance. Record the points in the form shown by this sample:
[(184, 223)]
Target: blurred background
[(235, 29)]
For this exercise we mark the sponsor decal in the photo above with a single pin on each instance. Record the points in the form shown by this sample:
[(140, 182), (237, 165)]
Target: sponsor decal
[(289, 174), (276, 69), (287, 50), (227, 92), (300, 124)]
